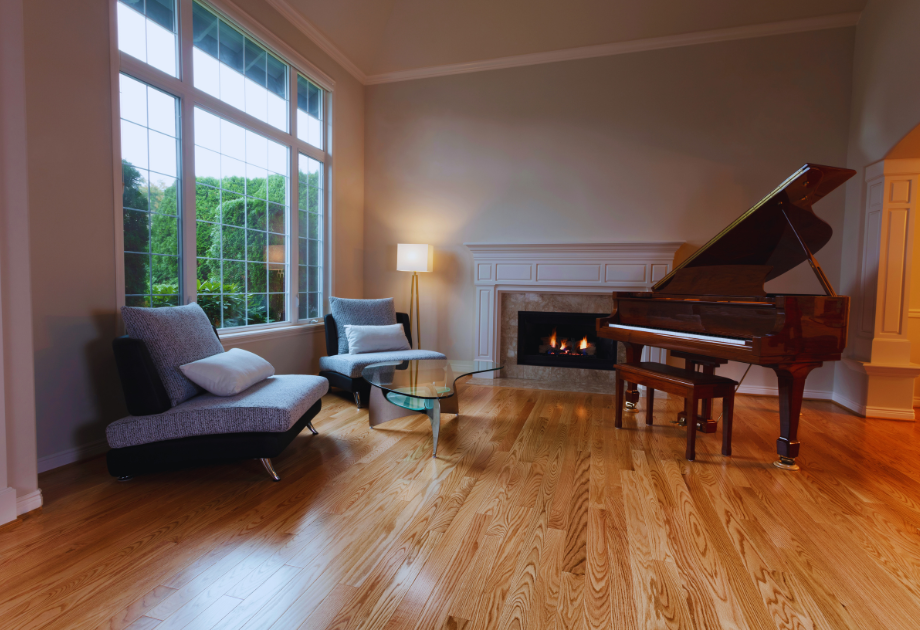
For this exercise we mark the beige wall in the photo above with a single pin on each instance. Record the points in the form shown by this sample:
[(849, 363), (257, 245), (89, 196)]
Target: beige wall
[(70, 162), (656, 146), (885, 109)]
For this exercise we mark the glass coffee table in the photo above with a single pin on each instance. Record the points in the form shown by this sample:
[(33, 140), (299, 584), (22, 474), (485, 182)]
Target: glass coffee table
[(423, 386)]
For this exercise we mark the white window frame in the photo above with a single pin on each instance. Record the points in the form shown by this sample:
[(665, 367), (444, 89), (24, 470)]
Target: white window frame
[(190, 97)]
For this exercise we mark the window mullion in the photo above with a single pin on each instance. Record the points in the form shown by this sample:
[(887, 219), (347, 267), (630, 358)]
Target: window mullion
[(317, 154), (188, 274), (328, 218), (151, 76), (293, 274), (239, 117)]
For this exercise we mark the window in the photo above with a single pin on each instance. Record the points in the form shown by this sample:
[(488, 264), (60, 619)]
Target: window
[(150, 198), (239, 71), (207, 205), (242, 209), (147, 31), (310, 244)]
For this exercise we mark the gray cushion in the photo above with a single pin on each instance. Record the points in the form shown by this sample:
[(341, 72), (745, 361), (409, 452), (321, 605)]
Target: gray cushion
[(352, 364), (174, 336), (273, 405), (360, 313)]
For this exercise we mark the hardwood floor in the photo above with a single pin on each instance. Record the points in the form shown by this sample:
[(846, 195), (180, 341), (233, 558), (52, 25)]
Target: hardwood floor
[(536, 514)]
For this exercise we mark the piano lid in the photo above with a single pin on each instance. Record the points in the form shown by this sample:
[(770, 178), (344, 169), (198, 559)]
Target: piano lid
[(777, 234)]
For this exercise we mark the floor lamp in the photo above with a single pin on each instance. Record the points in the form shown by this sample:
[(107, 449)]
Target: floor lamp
[(414, 258)]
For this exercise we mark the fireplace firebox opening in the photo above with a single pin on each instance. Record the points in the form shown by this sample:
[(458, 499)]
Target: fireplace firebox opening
[(563, 340)]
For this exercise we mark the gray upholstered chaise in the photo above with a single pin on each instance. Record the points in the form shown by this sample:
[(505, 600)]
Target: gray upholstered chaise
[(174, 423)]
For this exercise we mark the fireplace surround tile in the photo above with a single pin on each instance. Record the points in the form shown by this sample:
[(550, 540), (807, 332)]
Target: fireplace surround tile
[(581, 379)]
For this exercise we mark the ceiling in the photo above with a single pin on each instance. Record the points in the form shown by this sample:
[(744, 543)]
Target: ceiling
[(384, 36)]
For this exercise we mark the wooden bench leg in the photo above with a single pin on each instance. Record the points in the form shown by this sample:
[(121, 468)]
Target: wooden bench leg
[(619, 387), (650, 402), (728, 407), (691, 430)]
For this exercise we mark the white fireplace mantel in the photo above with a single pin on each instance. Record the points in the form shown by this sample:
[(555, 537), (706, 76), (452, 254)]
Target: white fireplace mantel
[(597, 268)]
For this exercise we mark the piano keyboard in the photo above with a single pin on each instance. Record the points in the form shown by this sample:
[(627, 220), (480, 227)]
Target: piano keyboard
[(682, 335)]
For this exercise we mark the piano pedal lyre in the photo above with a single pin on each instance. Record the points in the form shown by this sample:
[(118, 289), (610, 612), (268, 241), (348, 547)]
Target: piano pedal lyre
[(786, 463)]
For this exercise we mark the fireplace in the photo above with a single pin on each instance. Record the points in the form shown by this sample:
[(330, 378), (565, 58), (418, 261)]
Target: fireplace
[(566, 340)]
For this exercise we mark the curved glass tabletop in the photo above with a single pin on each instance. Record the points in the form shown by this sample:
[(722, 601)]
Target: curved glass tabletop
[(423, 378)]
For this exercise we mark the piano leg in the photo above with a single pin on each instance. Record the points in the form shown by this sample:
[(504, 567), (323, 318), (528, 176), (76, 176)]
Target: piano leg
[(791, 377), (633, 355)]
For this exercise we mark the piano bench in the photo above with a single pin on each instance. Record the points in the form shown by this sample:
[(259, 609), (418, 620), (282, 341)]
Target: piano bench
[(689, 384)]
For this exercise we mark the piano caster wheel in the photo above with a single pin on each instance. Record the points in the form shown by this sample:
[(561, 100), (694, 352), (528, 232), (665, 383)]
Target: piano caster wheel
[(681, 420), (786, 463), (630, 405)]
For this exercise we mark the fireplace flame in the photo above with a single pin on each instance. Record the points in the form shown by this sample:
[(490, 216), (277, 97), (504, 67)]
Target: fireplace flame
[(562, 346), (584, 343), (552, 340)]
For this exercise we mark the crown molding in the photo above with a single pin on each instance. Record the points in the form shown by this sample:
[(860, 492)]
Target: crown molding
[(309, 29), (840, 20)]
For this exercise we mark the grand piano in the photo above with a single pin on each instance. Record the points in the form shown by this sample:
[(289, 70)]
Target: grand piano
[(714, 303)]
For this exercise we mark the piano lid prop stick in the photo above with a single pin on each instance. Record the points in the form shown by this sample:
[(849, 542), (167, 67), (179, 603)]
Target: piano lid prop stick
[(811, 260)]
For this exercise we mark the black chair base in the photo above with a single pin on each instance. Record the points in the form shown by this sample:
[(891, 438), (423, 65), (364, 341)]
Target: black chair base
[(204, 450), (356, 386)]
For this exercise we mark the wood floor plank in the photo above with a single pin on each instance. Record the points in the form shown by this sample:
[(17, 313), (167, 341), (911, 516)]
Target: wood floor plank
[(537, 514)]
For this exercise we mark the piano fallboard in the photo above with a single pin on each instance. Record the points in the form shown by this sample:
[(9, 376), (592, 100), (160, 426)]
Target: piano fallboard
[(775, 329)]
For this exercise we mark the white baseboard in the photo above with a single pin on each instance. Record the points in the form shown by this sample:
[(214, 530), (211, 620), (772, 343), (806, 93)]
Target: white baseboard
[(766, 390), (56, 460), (890, 413), (29, 502), (7, 505), (878, 413), (917, 398)]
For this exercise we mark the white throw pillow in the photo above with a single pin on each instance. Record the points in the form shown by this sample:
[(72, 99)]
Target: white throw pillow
[(228, 373), (364, 339)]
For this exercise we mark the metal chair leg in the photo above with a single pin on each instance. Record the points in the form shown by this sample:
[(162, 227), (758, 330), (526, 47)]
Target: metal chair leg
[(358, 400), (312, 430), (126, 478), (271, 469)]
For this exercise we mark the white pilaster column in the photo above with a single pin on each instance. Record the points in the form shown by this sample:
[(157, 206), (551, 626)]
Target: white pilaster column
[(888, 248), (18, 452)]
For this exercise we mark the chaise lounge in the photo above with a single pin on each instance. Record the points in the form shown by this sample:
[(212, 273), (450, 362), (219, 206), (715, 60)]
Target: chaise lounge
[(175, 424)]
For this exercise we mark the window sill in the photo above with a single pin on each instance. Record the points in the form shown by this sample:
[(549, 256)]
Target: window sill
[(249, 336)]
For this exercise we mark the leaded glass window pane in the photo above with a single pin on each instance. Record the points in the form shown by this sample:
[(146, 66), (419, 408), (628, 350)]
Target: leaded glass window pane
[(309, 240), (147, 31), (150, 198), (310, 112), (238, 70), (242, 205)]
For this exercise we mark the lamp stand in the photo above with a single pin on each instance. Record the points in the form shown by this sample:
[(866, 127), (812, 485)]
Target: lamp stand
[(414, 311)]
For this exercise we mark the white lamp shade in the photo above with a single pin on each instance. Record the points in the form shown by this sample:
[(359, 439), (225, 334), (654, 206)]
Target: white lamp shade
[(411, 257)]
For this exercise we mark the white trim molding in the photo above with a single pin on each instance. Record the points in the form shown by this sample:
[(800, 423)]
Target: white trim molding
[(593, 268), (314, 34), (840, 20), (308, 28), (71, 455), (8, 511), (29, 502), (235, 339)]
